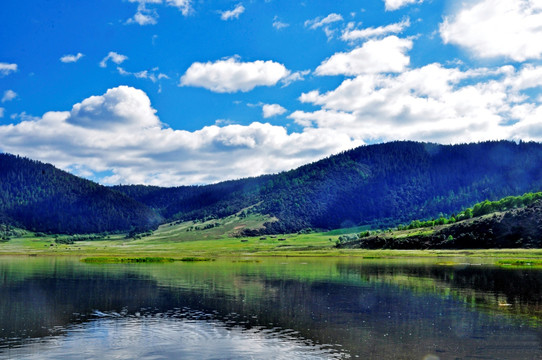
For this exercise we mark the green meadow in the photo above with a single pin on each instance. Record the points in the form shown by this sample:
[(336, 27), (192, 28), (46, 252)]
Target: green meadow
[(182, 241)]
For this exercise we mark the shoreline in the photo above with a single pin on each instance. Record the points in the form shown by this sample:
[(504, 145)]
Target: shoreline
[(327, 253)]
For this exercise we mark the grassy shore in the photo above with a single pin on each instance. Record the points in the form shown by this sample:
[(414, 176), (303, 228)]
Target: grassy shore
[(306, 245), (181, 240)]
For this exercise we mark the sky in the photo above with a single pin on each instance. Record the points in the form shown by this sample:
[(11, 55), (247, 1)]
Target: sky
[(183, 92)]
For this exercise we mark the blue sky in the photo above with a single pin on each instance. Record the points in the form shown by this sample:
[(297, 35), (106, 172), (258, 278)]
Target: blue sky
[(175, 92)]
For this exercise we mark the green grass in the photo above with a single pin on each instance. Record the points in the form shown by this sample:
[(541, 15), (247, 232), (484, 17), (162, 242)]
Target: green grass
[(136, 260), (194, 258), (229, 228), (174, 241), (120, 260), (304, 245), (350, 230), (520, 262)]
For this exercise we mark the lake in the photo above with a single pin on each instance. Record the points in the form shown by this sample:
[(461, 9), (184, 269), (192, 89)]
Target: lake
[(269, 308)]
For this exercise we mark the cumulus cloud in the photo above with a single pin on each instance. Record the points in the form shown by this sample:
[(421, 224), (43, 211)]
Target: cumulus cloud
[(9, 95), (231, 75), (351, 34), (119, 132), (270, 110), (497, 28), (374, 56), (71, 58), (121, 107), (397, 4), (6, 68), (232, 14), (114, 57), (431, 103)]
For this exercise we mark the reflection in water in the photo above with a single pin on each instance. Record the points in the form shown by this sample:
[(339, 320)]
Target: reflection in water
[(512, 291), (168, 336), (53, 308)]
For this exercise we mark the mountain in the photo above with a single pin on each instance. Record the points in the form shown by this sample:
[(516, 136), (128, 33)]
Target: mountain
[(380, 185), (40, 197)]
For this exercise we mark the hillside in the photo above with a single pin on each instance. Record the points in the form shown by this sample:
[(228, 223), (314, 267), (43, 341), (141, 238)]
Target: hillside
[(380, 185), (513, 228), (40, 197), (375, 185)]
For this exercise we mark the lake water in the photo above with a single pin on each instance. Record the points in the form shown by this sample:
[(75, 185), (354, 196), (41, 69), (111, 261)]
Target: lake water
[(61, 308)]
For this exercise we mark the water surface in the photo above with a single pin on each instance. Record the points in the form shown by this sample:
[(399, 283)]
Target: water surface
[(61, 308)]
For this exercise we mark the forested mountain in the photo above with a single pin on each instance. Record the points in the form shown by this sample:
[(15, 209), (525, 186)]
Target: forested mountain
[(382, 185), (40, 197), (198, 202)]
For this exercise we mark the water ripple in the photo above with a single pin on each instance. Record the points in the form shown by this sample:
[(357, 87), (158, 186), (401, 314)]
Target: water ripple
[(174, 334)]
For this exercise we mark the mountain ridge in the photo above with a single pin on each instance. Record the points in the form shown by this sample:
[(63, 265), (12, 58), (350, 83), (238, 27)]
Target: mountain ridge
[(378, 185), (40, 197), (382, 184)]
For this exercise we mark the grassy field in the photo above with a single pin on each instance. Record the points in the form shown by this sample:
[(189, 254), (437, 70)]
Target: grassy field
[(189, 239)]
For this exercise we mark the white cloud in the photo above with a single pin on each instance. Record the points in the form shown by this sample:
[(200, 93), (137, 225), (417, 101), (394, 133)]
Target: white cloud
[(321, 22), (144, 17), (144, 2), (351, 34), (2, 112), (185, 6), (431, 103), (270, 110), (295, 76), (232, 14), (121, 107), (9, 95), (114, 57), (145, 74), (6, 68), (497, 28), (374, 56), (528, 77), (397, 4), (325, 23), (152, 75), (231, 75), (530, 128), (147, 16), (71, 58), (277, 24), (120, 132)]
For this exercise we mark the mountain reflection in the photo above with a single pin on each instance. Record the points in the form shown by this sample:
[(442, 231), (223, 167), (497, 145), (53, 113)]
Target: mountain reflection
[(355, 308)]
